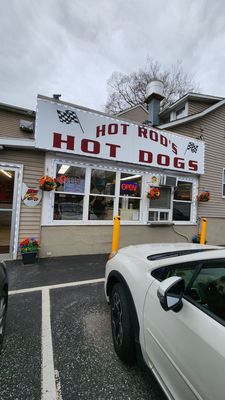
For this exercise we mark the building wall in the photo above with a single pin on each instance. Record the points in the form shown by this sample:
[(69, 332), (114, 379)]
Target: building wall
[(195, 107), (69, 240), (10, 125), (33, 169), (212, 128), (138, 115)]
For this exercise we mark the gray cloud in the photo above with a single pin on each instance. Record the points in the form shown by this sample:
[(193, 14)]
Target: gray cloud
[(72, 47)]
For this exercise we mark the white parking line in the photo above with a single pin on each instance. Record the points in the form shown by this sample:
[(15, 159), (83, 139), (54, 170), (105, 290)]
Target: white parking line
[(51, 387), (48, 372), (58, 286)]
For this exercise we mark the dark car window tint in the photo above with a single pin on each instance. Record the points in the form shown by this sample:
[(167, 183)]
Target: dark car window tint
[(185, 271), (208, 290)]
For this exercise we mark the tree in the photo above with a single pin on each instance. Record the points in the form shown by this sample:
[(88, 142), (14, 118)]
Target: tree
[(127, 90)]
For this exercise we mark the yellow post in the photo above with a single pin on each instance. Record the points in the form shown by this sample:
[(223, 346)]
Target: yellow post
[(203, 231), (116, 235)]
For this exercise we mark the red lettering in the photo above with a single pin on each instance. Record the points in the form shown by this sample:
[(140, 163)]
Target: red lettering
[(100, 131), (62, 179), (163, 159), (179, 163), (113, 147), (113, 129), (174, 148), (193, 165), (57, 141), (154, 136), (90, 146), (142, 132), (163, 141), (124, 126), (132, 187), (145, 156)]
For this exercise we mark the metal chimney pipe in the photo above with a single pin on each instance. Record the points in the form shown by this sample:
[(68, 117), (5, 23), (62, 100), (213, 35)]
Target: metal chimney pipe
[(154, 95)]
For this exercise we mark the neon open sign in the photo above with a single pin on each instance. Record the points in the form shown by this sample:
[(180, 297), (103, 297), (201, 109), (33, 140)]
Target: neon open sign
[(129, 187)]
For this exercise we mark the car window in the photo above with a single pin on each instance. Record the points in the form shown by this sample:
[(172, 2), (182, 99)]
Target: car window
[(208, 289), (185, 271)]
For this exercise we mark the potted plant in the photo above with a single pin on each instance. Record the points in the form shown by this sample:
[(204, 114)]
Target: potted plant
[(47, 183), (29, 248), (154, 193), (204, 196)]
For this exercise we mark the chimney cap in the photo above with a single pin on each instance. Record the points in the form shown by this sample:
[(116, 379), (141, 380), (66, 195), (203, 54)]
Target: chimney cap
[(154, 90)]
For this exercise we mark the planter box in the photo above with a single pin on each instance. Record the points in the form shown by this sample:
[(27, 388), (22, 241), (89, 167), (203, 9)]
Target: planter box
[(29, 258)]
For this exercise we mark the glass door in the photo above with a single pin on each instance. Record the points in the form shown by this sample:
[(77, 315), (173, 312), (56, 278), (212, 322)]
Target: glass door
[(7, 208)]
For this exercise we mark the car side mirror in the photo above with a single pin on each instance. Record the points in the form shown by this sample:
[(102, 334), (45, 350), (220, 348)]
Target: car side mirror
[(170, 293)]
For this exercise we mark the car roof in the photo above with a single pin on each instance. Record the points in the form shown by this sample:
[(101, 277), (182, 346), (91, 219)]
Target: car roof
[(145, 251)]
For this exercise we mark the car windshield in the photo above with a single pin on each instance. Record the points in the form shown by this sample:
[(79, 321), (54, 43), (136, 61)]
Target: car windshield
[(177, 253)]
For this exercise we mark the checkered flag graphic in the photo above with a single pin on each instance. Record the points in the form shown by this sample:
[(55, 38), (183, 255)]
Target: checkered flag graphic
[(193, 147), (68, 116)]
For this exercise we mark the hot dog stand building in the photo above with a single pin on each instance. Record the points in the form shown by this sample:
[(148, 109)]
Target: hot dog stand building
[(102, 166)]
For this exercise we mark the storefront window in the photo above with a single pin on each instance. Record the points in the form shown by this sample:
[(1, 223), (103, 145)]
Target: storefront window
[(130, 196), (183, 191), (68, 207), (69, 196), (102, 182), (100, 208), (182, 201), (181, 211), (163, 201), (88, 194), (102, 192), (70, 178)]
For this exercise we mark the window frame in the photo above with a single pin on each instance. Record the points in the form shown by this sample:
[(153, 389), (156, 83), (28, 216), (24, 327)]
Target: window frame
[(88, 168), (88, 164), (183, 201), (192, 202), (69, 193)]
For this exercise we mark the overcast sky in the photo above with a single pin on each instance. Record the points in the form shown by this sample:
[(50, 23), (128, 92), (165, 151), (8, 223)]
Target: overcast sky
[(73, 46)]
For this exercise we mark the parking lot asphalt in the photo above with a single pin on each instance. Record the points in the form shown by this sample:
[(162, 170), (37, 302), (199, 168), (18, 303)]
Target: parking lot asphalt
[(71, 347)]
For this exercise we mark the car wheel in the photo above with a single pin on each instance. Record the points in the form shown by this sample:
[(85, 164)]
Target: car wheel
[(122, 332), (3, 309)]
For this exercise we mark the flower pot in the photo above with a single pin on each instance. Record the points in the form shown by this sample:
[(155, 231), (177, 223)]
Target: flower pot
[(29, 258)]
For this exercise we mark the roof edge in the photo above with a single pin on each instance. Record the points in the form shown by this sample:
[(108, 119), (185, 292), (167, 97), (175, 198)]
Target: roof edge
[(191, 96), (192, 117), (16, 109)]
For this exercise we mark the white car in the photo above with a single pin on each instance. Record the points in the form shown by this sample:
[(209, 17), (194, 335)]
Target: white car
[(168, 301)]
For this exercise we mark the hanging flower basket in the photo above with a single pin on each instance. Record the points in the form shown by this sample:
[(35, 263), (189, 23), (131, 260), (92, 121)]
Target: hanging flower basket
[(203, 197), (47, 183), (154, 193)]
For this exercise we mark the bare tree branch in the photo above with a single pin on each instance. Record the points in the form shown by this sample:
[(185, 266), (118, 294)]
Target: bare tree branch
[(127, 90)]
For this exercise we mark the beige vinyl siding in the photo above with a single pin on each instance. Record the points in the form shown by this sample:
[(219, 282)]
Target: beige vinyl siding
[(137, 115), (10, 125), (33, 168), (212, 128), (195, 107)]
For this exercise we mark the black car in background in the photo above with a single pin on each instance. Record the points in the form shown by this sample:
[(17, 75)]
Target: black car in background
[(3, 300)]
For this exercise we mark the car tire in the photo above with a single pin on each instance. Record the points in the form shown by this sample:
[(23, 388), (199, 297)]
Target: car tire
[(3, 310), (122, 331)]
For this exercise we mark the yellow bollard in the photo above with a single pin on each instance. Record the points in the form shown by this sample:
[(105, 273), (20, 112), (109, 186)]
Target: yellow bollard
[(203, 231), (116, 235)]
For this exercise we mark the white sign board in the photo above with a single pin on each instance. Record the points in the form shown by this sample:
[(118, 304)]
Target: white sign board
[(74, 130)]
